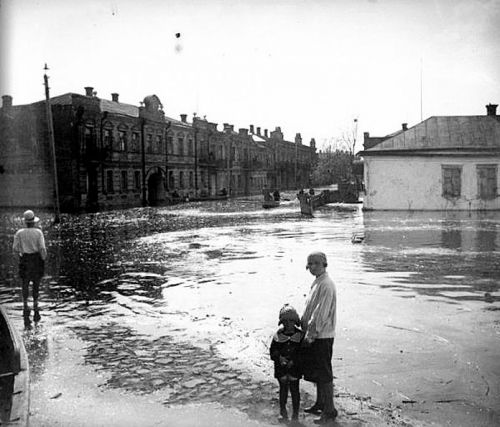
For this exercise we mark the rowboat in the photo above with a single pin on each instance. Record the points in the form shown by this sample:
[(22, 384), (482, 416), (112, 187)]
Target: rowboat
[(267, 204), (14, 375)]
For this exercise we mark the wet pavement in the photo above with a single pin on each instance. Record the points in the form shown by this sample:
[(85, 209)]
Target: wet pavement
[(163, 316)]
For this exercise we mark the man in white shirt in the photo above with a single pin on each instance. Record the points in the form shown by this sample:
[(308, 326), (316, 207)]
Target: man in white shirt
[(318, 322), (29, 244)]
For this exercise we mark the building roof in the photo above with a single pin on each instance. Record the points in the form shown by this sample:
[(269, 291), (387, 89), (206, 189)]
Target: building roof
[(257, 138), (444, 133), (110, 107), (119, 108)]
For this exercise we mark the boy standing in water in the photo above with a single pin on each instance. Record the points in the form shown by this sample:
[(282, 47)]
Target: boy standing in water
[(29, 244), (284, 352)]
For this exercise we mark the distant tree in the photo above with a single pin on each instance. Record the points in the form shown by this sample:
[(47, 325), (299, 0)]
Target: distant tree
[(333, 166)]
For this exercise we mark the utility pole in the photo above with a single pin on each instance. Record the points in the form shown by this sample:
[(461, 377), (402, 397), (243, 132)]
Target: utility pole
[(355, 135), (295, 169), (50, 127)]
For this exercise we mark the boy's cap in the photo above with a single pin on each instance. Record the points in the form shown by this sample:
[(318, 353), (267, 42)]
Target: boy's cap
[(29, 216), (287, 312)]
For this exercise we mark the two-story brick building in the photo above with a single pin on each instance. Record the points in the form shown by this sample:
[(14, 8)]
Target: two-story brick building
[(112, 154)]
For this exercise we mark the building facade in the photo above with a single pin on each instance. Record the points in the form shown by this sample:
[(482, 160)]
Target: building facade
[(110, 154), (442, 163)]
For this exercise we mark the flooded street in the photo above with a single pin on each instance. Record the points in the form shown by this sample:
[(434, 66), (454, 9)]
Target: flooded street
[(170, 307)]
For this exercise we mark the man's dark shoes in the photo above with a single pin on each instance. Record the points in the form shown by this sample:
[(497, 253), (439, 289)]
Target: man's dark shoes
[(315, 409), (326, 418)]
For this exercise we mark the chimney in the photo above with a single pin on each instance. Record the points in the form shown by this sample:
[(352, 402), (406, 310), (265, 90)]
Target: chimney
[(298, 138), (243, 131), (258, 131), (491, 109), (114, 97), (404, 126), (228, 127), (265, 133), (6, 101), (251, 129), (89, 91), (183, 118)]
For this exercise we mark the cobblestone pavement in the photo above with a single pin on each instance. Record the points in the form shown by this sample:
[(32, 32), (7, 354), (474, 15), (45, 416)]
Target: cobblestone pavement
[(189, 374)]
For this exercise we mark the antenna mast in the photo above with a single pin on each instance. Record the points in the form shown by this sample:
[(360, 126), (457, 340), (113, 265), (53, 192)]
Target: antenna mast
[(421, 89)]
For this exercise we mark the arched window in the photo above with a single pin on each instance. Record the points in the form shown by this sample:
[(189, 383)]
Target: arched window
[(107, 137)]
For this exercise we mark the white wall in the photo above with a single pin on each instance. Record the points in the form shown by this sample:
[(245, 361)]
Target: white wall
[(416, 183)]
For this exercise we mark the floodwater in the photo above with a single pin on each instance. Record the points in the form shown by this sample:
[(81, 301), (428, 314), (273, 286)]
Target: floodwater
[(179, 304)]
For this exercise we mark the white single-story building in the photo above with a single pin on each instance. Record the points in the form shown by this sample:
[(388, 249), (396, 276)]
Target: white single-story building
[(442, 163)]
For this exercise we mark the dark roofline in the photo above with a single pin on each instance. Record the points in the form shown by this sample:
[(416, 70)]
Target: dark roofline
[(430, 152)]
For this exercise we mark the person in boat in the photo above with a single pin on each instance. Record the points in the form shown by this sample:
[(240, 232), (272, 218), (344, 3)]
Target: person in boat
[(29, 245), (267, 194), (276, 195), (223, 192), (285, 353), (318, 323), (311, 191)]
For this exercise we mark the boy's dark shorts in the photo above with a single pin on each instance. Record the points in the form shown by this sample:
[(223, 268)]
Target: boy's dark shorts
[(31, 267), (317, 361)]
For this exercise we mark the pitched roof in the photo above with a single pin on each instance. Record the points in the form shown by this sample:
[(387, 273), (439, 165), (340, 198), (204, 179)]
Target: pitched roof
[(119, 108), (444, 133), (111, 107)]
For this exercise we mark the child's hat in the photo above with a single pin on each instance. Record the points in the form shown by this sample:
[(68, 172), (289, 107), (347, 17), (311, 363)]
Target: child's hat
[(287, 312), (29, 216)]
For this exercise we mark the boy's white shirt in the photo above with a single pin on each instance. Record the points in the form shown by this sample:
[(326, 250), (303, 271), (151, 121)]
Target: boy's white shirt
[(28, 241)]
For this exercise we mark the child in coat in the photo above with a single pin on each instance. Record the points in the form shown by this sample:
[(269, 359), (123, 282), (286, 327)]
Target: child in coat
[(284, 351)]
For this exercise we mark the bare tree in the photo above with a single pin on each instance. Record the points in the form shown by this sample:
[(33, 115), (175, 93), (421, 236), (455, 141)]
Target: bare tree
[(347, 139)]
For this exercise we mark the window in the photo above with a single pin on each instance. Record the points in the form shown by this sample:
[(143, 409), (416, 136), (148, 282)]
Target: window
[(180, 142), (452, 181), (107, 138), (181, 179), (137, 180), (88, 144), (135, 142), (124, 182), (159, 144), (487, 181), (190, 147), (109, 182), (122, 140), (171, 180), (170, 145), (149, 143), (84, 183), (191, 180)]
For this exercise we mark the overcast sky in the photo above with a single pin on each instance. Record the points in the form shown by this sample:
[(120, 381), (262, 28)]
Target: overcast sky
[(309, 66)]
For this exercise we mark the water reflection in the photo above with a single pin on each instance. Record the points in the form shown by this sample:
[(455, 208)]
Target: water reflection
[(455, 254)]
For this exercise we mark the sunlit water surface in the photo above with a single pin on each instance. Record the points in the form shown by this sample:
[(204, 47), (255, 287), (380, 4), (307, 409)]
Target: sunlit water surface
[(418, 298)]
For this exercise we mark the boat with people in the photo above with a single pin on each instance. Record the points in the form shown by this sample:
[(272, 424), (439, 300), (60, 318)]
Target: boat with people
[(345, 192), (14, 375), (271, 200)]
